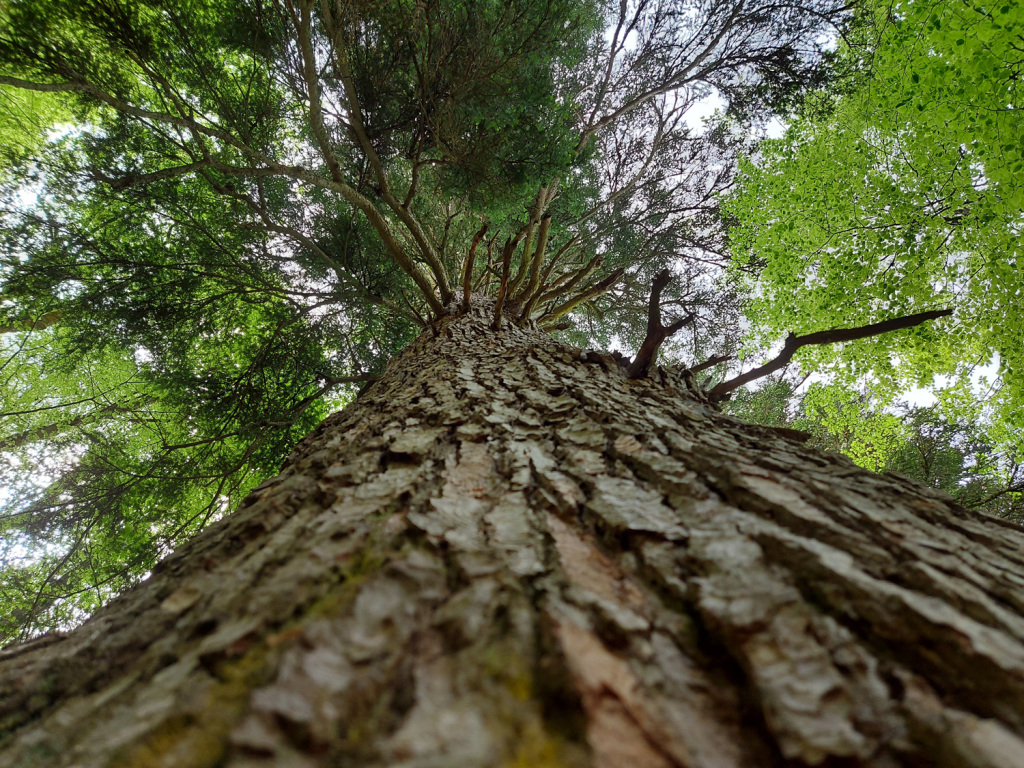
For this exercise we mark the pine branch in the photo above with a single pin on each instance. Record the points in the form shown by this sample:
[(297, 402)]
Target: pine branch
[(355, 116), (569, 280), (549, 318)]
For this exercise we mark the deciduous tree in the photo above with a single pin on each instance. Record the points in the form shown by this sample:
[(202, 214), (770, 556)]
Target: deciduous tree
[(900, 190)]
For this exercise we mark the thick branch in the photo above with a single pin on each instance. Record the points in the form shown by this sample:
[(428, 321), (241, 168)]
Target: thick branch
[(272, 168), (554, 260), (427, 249), (711, 362), (656, 332), (834, 336), (549, 318), (569, 280), (303, 27), (506, 263), (467, 273), (532, 290), (544, 195), (343, 277)]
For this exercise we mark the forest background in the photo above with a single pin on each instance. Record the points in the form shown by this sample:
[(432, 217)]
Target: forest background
[(194, 277)]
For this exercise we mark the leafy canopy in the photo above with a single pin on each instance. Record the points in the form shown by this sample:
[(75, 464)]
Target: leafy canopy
[(898, 192)]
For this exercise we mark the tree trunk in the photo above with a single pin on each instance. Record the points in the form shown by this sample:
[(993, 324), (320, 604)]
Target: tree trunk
[(508, 554)]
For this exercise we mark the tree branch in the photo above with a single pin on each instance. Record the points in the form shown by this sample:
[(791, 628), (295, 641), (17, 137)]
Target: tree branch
[(535, 212), (530, 293), (349, 194), (656, 332), (569, 280), (506, 263), (467, 272), (549, 318), (401, 210), (303, 24), (711, 362), (343, 278), (834, 336)]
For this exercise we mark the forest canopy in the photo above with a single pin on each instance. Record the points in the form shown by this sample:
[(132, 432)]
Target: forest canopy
[(897, 188), (219, 220)]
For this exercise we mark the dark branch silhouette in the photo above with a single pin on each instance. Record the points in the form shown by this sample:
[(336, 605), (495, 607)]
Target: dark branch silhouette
[(467, 274), (834, 336), (656, 332), (711, 362)]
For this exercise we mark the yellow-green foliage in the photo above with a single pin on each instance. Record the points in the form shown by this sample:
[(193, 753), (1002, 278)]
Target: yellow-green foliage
[(26, 117)]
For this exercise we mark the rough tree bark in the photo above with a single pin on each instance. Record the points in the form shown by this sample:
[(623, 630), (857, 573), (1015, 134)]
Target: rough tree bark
[(506, 553)]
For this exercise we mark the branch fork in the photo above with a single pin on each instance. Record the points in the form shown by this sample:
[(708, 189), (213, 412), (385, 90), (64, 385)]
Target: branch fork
[(656, 332)]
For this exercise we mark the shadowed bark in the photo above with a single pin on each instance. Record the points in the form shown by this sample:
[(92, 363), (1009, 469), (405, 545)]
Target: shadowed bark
[(501, 555)]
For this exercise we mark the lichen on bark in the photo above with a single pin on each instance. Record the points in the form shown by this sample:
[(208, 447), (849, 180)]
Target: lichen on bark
[(505, 553)]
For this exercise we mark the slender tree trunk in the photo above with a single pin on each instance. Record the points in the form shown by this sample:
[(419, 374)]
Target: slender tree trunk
[(504, 555)]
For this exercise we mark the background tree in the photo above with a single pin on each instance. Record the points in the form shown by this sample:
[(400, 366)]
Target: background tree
[(959, 458), (898, 190)]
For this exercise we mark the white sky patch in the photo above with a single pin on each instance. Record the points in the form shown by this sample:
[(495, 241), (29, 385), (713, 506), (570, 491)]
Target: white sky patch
[(703, 110), (775, 129), (28, 196), (981, 380)]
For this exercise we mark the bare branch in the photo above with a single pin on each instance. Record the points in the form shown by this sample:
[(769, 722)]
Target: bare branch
[(303, 27), (529, 294), (540, 204), (711, 362), (549, 318), (467, 273), (834, 336), (506, 263), (568, 281), (656, 332)]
